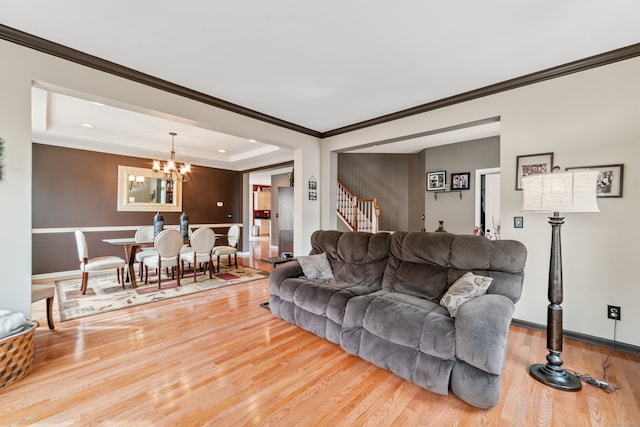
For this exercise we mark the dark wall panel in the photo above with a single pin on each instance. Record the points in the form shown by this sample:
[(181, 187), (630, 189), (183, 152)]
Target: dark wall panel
[(77, 188), (384, 177)]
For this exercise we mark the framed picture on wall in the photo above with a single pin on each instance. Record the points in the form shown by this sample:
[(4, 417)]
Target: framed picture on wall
[(436, 181), (609, 182), (531, 164), (460, 181)]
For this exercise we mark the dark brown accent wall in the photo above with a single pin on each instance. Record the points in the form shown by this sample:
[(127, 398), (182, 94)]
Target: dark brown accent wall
[(76, 188), (381, 176)]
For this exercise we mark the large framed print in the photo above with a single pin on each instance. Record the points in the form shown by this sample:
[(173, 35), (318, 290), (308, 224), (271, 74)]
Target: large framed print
[(531, 164), (436, 181), (610, 179)]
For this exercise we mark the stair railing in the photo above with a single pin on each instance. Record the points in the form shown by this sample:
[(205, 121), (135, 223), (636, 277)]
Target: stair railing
[(358, 214)]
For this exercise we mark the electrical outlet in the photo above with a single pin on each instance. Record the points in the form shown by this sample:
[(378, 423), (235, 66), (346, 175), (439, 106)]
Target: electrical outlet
[(613, 312)]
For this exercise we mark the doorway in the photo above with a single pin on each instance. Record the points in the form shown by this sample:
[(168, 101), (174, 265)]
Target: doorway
[(487, 203)]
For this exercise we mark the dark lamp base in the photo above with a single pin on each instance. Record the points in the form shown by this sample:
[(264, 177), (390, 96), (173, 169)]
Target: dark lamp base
[(560, 379)]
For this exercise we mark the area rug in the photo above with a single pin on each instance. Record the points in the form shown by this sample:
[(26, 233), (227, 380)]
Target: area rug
[(104, 293)]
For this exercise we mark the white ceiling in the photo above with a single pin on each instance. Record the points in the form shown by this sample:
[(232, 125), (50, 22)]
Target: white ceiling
[(322, 65), (60, 119)]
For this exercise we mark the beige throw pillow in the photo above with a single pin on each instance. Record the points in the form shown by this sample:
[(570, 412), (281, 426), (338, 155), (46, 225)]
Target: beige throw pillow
[(464, 289), (316, 266)]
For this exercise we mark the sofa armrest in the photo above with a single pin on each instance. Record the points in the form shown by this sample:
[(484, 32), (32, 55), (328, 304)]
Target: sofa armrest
[(482, 329), (283, 272)]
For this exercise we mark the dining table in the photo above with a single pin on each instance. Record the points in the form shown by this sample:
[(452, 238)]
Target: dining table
[(131, 247)]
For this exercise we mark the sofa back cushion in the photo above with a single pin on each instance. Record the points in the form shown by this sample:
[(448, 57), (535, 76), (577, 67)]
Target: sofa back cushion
[(503, 260), (418, 264), (355, 257), (425, 264)]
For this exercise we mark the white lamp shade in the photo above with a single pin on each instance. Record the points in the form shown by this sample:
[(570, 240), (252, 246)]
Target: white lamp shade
[(560, 192)]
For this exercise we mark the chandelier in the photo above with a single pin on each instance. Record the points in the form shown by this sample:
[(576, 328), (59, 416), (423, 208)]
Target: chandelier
[(171, 170)]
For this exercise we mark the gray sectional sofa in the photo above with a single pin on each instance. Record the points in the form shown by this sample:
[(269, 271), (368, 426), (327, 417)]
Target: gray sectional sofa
[(381, 300)]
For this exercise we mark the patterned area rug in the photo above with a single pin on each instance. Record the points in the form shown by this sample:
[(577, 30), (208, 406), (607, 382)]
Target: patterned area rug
[(105, 294)]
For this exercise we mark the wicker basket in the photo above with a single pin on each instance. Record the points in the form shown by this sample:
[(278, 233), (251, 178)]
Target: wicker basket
[(16, 355)]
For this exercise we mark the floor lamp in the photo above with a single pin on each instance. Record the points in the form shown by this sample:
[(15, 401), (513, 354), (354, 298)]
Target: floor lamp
[(557, 192)]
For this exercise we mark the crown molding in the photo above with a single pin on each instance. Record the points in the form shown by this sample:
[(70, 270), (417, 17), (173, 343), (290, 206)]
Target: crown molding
[(73, 55), (58, 50), (529, 79)]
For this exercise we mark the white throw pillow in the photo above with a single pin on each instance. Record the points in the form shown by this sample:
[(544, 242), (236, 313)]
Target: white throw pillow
[(316, 266), (464, 289)]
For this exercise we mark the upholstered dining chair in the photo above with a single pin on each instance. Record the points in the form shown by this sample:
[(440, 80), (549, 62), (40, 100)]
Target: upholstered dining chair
[(100, 263), (144, 234), (40, 291), (201, 245), (167, 244), (231, 249)]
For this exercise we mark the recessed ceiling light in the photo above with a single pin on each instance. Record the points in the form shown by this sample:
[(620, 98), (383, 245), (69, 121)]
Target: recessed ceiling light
[(96, 103), (87, 125), (222, 151), (252, 140)]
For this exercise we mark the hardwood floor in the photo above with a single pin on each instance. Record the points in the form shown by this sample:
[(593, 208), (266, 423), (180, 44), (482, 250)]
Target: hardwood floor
[(218, 358)]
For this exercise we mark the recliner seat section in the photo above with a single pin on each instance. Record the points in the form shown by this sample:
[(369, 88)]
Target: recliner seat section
[(358, 261), (399, 324), (404, 329)]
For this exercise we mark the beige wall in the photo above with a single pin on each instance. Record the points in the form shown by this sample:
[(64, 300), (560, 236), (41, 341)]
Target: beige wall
[(588, 118), (21, 67)]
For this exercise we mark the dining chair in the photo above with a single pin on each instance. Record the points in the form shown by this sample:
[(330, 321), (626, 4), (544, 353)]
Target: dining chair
[(231, 248), (100, 263), (144, 234), (201, 244), (40, 291), (167, 244)]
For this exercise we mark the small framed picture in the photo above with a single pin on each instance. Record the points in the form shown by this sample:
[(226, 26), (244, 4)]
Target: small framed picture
[(313, 195), (460, 181), (532, 164), (610, 179), (518, 222), (436, 181)]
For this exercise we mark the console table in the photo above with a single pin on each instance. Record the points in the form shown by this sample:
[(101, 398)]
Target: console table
[(275, 260)]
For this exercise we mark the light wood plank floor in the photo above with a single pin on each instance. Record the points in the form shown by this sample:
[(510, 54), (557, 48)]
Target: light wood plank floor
[(217, 358)]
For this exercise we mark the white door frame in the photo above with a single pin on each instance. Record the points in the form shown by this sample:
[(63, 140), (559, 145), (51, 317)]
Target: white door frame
[(479, 174)]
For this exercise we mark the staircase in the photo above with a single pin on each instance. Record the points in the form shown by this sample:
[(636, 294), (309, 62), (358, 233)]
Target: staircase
[(358, 214)]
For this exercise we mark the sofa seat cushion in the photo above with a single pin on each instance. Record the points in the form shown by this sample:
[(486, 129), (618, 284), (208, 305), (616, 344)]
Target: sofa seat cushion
[(411, 322), (288, 287), (326, 298), (316, 296)]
